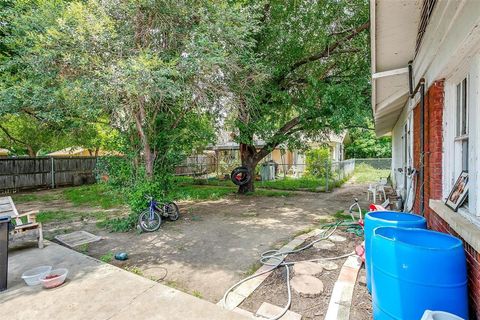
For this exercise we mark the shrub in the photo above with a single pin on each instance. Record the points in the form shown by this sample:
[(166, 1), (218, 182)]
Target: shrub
[(318, 163)]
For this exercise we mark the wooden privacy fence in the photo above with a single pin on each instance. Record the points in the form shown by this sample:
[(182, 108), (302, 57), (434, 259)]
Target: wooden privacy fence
[(46, 172)]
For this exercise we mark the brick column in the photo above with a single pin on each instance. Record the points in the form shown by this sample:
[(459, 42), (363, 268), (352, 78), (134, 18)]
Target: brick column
[(433, 129)]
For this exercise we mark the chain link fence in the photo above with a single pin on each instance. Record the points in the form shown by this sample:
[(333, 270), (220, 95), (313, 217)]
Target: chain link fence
[(376, 163), (311, 175)]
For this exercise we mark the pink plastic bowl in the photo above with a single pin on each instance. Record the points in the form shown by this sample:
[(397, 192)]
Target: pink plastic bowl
[(48, 282)]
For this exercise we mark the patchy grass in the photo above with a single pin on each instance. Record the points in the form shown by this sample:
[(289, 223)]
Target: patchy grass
[(300, 184), (197, 294), (185, 180), (61, 215), (196, 192), (134, 269), (365, 173), (341, 215), (107, 257), (253, 268), (172, 284), (41, 197), (83, 248), (95, 195)]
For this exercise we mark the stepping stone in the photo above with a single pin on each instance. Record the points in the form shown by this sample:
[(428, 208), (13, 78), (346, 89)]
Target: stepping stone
[(337, 238), (308, 268), (324, 245), (269, 311), (328, 265), (77, 238), (307, 286)]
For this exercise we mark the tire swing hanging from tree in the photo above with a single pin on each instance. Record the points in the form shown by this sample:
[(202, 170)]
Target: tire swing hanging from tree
[(240, 176)]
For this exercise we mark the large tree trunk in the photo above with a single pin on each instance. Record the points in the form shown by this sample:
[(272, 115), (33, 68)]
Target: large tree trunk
[(247, 155), (147, 151), (31, 152)]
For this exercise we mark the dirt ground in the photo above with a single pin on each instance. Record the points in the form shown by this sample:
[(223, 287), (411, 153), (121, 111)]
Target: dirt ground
[(214, 243), (274, 290)]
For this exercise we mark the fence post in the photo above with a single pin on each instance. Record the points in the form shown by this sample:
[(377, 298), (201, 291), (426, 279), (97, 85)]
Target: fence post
[(52, 171), (326, 176)]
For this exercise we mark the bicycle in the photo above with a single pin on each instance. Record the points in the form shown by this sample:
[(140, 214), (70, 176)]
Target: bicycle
[(150, 219)]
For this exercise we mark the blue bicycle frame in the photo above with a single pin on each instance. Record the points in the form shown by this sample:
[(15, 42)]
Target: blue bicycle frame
[(152, 207)]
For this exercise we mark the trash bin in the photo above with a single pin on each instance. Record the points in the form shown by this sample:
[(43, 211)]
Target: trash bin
[(267, 172), (376, 219), (4, 229)]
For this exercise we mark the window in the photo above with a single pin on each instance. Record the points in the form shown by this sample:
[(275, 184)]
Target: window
[(462, 124), (461, 130)]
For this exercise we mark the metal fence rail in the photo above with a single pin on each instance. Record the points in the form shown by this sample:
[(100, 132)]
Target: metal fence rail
[(18, 174)]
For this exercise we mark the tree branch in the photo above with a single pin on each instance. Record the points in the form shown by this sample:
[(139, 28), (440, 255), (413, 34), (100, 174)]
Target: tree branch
[(275, 140), (329, 49), (13, 139)]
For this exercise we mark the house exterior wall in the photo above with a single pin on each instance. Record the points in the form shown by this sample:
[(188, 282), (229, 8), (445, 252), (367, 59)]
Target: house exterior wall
[(433, 128), (433, 165), (449, 52)]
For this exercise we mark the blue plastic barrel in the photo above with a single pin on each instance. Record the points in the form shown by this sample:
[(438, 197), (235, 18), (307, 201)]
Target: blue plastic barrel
[(376, 219), (417, 270)]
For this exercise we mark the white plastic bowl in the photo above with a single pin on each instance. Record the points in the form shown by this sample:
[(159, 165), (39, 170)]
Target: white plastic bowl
[(61, 274), (439, 315), (32, 277)]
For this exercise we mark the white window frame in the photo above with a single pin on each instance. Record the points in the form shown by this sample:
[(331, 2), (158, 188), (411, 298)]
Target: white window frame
[(452, 157)]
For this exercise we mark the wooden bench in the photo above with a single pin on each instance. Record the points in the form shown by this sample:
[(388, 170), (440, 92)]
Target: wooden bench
[(28, 223)]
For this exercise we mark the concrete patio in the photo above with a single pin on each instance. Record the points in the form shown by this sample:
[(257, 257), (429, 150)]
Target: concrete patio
[(95, 290)]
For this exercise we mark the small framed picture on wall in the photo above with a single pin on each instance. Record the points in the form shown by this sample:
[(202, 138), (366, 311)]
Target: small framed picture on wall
[(459, 192)]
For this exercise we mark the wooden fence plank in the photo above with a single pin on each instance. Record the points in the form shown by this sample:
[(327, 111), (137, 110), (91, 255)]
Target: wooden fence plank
[(33, 173)]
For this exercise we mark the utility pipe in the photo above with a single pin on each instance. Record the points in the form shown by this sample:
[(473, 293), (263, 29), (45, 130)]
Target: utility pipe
[(420, 88)]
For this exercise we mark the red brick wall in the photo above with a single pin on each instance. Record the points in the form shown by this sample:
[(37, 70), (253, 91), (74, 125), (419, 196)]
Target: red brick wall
[(473, 263), (434, 100), (434, 105)]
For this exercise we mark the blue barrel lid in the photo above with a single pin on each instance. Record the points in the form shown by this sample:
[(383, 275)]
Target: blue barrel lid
[(419, 238), (394, 216)]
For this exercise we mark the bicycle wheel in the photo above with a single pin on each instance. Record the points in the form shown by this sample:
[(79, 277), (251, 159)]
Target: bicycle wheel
[(147, 223), (171, 209)]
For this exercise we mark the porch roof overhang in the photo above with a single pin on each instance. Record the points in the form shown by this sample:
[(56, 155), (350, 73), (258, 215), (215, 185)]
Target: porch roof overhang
[(393, 29)]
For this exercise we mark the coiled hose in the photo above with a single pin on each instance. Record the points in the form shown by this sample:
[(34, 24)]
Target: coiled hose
[(279, 256)]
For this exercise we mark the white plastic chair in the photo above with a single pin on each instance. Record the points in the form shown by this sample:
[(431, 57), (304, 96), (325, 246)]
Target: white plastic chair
[(381, 188), (372, 189)]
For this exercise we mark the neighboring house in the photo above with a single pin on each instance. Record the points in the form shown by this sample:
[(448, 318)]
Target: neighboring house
[(228, 151), (80, 152), (4, 153), (437, 137)]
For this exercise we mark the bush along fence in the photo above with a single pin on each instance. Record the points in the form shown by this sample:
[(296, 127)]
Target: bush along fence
[(311, 176), (18, 174), (376, 163)]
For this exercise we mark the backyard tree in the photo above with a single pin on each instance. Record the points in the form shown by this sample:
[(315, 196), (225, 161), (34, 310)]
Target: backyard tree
[(306, 76), (364, 144), (23, 134), (167, 71), (41, 103), (155, 69)]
